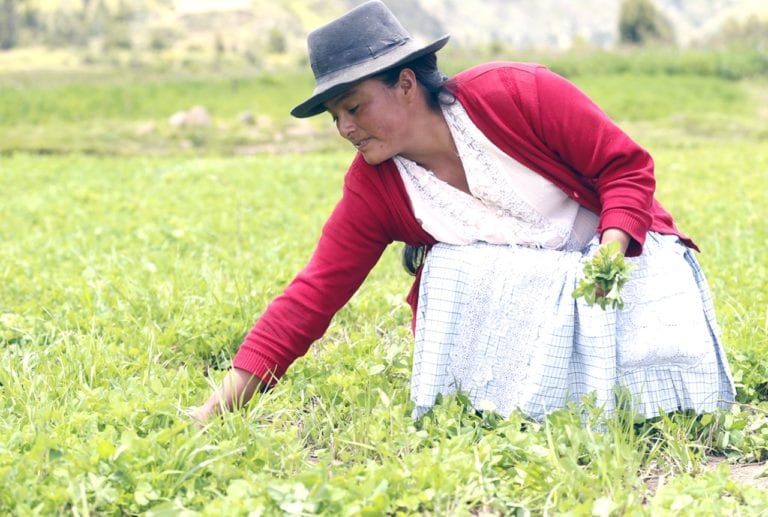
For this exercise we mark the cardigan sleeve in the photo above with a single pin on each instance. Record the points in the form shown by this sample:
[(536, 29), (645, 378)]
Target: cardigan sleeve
[(585, 138), (351, 243)]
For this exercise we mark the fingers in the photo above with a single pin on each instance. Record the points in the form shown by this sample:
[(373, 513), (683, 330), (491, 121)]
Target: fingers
[(198, 415)]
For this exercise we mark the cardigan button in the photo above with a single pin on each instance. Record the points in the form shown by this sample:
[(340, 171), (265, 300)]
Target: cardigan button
[(575, 195)]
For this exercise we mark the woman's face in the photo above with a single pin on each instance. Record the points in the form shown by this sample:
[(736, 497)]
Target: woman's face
[(374, 118)]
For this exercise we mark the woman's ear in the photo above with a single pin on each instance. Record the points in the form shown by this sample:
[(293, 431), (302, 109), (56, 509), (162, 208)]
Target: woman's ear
[(407, 82)]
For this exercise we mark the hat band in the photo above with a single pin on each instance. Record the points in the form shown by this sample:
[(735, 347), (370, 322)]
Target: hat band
[(356, 55)]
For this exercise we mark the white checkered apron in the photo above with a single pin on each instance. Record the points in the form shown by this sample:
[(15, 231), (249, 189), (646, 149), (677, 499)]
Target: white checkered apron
[(498, 322)]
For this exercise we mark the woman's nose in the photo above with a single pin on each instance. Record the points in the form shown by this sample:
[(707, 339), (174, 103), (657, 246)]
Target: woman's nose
[(345, 126)]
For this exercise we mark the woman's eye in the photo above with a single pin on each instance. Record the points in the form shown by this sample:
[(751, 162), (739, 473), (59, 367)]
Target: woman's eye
[(353, 109)]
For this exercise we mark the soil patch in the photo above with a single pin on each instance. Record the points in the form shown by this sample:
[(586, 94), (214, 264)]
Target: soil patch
[(754, 474)]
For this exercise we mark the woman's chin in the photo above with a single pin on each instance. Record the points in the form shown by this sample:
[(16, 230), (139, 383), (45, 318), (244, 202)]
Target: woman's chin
[(374, 158)]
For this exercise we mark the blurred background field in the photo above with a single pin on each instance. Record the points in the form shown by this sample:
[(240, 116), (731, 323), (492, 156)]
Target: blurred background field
[(156, 196), (129, 112), (107, 76)]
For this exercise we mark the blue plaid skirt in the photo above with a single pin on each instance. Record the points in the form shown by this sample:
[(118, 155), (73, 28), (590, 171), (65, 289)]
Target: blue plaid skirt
[(499, 324)]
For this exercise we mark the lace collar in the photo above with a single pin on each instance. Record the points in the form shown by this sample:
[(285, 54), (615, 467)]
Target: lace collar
[(495, 211)]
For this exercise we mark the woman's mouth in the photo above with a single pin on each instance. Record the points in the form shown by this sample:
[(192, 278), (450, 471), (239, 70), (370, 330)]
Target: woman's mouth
[(362, 143)]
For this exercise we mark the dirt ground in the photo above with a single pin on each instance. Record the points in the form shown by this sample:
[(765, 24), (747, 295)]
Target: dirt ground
[(755, 474)]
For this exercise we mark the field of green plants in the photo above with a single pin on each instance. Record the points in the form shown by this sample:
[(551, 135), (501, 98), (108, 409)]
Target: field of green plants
[(135, 256)]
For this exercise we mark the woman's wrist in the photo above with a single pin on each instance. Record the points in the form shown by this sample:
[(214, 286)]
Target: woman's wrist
[(236, 389), (616, 235)]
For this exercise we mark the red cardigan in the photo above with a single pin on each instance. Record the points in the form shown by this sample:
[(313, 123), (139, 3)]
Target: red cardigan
[(536, 117)]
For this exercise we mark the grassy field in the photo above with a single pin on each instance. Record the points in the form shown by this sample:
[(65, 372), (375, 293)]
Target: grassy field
[(133, 263)]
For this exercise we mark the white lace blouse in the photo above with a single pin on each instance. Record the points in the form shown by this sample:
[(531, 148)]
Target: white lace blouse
[(509, 203)]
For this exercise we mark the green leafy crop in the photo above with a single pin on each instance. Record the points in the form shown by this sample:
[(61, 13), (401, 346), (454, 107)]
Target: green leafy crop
[(604, 276), (132, 266)]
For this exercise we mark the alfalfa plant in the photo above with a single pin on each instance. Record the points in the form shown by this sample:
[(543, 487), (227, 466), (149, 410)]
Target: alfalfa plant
[(604, 277)]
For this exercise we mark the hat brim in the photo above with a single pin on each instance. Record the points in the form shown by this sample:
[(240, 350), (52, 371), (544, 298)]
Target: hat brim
[(344, 79)]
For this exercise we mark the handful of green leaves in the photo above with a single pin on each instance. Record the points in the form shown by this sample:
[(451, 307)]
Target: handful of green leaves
[(604, 276)]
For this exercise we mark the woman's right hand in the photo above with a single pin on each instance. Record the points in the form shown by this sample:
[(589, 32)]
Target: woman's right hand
[(235, 391)]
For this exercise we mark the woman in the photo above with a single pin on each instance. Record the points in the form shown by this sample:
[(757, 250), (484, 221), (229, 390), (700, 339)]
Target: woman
[(513, 177)]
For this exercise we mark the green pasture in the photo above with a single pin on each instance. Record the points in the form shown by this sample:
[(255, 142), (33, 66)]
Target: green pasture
[(133, 263)]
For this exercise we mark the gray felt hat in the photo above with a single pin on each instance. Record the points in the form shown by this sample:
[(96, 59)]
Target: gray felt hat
[(362, 43)]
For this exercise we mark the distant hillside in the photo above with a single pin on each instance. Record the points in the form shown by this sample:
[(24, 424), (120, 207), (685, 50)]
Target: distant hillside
[(520, 23), (281, 26), (694, 20)]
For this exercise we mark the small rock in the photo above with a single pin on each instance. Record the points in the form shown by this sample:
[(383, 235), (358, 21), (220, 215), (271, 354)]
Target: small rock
[(264, 121), (147, 128), (199, 116), (178, 119), (247, 118)]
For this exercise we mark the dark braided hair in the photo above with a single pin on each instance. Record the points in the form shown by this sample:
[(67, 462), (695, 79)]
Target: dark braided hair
[(437, 92), (429, 77)]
